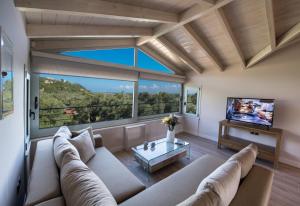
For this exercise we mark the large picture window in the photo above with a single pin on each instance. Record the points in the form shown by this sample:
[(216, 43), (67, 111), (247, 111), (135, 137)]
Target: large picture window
[(70, 100), (158, 97)]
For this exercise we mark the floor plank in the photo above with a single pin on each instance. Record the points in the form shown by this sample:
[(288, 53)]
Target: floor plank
[(286, 185)]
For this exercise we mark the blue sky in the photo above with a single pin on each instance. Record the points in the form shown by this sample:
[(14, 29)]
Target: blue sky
[(123, 56)]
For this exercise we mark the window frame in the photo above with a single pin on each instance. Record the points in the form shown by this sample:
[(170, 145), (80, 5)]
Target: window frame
[(38, 132), (184, 105)]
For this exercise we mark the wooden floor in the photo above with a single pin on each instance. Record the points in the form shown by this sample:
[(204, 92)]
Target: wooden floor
[(286, 185)]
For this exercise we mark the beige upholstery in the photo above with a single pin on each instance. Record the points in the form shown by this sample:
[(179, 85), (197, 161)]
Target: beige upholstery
[(204, 197), (58, 201), (118, 179), (81, 186), (63, 131), (44, 178), (61, 146), (84, 144), (224, 181), (177, 187), (255, 188), (90, 131), (246, 157)]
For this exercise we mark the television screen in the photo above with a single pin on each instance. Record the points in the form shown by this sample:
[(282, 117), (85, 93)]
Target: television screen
[(256, 111)]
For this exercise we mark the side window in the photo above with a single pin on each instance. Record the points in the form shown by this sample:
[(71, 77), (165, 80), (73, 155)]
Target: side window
[(191, 100)]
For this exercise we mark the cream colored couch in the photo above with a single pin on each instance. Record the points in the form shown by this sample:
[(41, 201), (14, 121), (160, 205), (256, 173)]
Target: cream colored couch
[(44, 187)]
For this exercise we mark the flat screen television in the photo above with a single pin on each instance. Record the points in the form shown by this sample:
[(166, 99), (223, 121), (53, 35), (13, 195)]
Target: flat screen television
[(251, 110)]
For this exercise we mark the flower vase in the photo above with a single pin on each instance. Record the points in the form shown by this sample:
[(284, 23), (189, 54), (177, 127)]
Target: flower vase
[(170, 136)]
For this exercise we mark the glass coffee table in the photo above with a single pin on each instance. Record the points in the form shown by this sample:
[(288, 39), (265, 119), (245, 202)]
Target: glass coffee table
[(162, 154)]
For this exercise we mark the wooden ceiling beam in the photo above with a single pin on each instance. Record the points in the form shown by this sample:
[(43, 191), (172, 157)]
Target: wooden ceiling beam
[(181, 55), (285, 40), (198, 10), (154, 54), (201, 43), (229, 33), (97, 8), (78, 44), (82, 31), (271, 22)]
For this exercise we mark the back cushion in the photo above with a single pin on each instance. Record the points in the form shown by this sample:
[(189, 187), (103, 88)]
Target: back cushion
[(82, 187), (246, 157), (224, 181), (204, 197), (60, 147), (44, 177), (63, 131)]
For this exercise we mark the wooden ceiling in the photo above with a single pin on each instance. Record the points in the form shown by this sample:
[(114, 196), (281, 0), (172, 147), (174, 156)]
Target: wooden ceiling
[(190, 35)]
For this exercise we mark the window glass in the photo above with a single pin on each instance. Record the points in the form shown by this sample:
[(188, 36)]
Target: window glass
[(70, 100), (158, 97), (144, 61), (191, 100), (123, 56)]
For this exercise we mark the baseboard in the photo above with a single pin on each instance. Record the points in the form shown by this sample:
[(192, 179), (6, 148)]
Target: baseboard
[(208, 137)]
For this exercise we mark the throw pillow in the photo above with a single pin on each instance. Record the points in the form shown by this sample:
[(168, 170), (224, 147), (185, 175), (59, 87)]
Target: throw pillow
[(81, 186), (89, 129), (84, 145), (246, 157), (204, 197), (224, 181), (60, 147)]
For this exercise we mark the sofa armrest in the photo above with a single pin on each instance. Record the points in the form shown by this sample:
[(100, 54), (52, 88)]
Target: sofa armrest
[(255, 189), (98, 140)]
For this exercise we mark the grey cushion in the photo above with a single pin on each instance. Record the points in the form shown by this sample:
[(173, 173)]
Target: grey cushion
[(177, 187), (44, 178), (246, 157), (118, 179), (63, 131), (81, 186), (89, 129), (58, 201), (204, 197), (61, 146), (224, 181), (84, 145)]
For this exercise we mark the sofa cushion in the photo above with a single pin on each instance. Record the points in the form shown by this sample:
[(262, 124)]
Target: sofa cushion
[(63, 131), (58, 201), (246, 158), (255, 189), (61, 146), (118, 179), (90, 131), (204, 197), (44, 177), (224, 181), (84, 145), (177, 187), (81, 186)]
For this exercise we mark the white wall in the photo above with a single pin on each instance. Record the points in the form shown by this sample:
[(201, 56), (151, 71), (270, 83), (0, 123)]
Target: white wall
[(277, 77), (12, 127)]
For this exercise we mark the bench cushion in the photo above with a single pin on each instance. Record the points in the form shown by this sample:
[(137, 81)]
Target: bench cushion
[(177, 187), (118, 179), (44, 179), (58, 201)]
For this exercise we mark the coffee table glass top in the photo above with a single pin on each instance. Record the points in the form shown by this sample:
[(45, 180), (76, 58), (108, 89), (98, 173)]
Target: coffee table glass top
[(162, 147)]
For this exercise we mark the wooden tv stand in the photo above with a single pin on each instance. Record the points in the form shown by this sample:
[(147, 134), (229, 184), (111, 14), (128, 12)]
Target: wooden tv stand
[(264, 151)]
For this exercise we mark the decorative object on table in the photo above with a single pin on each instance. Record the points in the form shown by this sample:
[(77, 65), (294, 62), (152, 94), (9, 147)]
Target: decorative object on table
[(152, 144), (170, 122), (145, 145), (6, 75)]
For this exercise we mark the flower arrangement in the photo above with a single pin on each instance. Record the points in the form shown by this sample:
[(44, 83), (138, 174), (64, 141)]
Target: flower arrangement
[(170, 121)]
